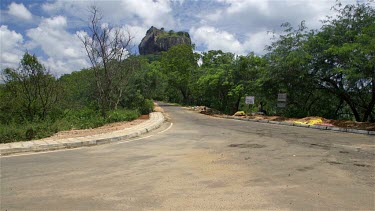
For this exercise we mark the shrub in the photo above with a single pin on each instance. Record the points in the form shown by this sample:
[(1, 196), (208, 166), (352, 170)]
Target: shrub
[(9, 133), (83, 118), (122, 115), (26, 131), (146, 107), (73, 119)]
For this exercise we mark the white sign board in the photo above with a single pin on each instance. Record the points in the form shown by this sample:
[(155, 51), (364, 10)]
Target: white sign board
[(281, 97), (281, 104), (249, 99)]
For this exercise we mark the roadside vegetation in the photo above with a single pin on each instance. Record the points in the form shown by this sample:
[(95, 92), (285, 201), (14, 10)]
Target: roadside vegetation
[(327, 72), (34, 104)]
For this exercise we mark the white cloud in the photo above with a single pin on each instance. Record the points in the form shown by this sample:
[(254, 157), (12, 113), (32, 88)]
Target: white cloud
[(133, 15), (237, 6), (55, 22), (257, 42), (20, 11), (145, 13), (137, 32), (249, 15), (152, 13), (12, 48), (251, 19), (64, 50), (59, 67), (215, 39)]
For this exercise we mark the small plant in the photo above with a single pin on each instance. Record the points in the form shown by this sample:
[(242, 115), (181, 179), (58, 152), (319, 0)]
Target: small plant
[(30, 134), (122, 115), (147, 107)]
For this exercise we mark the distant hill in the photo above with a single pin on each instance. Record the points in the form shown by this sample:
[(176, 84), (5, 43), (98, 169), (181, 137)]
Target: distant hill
[(158, 40)]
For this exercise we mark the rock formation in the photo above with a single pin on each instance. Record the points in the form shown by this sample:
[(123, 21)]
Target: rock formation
[(157, 40)]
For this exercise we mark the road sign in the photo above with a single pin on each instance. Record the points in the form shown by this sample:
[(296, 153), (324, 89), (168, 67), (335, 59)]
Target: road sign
[(281, 100), (249, 99), (281, 104), (281, 97)]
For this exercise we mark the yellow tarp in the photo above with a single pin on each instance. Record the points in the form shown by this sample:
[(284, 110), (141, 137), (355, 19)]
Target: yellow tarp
[(239, 113), (310, 122)]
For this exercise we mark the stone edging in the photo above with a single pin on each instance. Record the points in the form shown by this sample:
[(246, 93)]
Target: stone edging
[(156, 119), (320, 127)]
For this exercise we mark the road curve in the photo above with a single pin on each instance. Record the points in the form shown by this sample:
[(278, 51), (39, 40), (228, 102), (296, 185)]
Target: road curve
[(199, 163)]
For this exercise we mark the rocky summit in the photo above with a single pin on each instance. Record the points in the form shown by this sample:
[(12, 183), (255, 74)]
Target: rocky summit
[(158, 40)]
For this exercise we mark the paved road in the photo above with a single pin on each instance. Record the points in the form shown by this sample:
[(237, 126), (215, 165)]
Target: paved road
[(200, 163)]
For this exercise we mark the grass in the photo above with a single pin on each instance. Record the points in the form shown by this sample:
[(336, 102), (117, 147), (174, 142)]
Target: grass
[(72, 119)]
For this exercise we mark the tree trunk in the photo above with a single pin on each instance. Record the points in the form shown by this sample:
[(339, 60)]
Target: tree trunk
[(344, 96), (237, 105), (184, 95), (338, 108), (371, 105), (352, 107)]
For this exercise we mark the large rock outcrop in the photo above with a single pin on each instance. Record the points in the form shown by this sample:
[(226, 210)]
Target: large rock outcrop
[(157, 40)]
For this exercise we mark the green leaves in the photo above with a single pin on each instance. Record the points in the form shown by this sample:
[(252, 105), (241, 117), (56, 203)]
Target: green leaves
[(178, 64), (343, 59), (31, 92)]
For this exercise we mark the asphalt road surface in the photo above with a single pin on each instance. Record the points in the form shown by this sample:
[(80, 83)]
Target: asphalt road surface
[(199, 163)]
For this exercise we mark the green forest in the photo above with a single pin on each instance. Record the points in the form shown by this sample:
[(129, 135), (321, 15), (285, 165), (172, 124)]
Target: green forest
[(328, 72)]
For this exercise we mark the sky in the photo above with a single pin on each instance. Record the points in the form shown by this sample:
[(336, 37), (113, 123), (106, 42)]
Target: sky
[(49, 28)]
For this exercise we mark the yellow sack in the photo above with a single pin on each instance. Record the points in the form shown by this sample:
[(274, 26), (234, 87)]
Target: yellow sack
[(310, 122), (315, 121)]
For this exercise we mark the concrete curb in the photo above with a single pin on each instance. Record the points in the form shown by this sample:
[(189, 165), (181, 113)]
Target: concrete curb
[(320, 127), (156, 119)]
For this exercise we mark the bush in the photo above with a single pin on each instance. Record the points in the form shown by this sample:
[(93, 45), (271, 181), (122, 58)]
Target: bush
[(72, 119), (146, 107), (122, 115), (27, 131), (9, 133), (82, 119)]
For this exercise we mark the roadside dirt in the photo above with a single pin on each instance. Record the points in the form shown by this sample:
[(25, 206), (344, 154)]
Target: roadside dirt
[(325, 122), (313, 120), (103, 129), (99, 130)]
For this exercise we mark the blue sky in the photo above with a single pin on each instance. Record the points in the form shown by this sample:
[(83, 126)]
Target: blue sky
[(48, 28)]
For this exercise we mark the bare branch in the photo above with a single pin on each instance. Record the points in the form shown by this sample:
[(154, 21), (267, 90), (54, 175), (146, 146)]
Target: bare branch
[(107, 49)]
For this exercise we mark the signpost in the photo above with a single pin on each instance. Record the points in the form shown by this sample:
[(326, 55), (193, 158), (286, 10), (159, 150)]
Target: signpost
[(249, 100), (281, 100), (281, 104)]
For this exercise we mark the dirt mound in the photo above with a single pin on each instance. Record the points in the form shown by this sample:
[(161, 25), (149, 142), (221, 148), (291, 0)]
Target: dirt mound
[(351, 124), (314, 120)]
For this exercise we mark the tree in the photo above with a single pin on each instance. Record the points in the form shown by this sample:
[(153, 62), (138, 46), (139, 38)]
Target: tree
[(248, 73), (343, 61), (32, 90), (216, 85), (79, 89), (178, 63), (156, 81), (288, 71), (225, 79), (107, 48)]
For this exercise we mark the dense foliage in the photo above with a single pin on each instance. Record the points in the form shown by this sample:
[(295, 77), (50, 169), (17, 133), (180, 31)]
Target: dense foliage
[(34, 104), (328, 72)]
